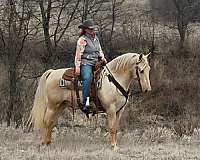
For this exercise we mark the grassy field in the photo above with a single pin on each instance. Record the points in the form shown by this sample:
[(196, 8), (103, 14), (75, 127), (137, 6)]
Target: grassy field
[(91, 142)]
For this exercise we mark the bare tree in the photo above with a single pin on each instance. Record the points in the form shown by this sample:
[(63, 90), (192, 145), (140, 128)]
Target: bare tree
[(16, 20), (85, 9), (89, 8), (46, 15), (55, 27), (109, 16), (112, 26), (178, 13), (60, 31)]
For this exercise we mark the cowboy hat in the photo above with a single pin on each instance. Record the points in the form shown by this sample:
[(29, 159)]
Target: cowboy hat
[(88, 24)]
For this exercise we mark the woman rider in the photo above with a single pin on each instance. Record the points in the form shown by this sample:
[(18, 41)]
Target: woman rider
[(88, 52)]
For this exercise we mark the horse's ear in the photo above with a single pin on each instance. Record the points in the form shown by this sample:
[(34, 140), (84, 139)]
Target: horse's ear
[(148, 54), (140, 57)]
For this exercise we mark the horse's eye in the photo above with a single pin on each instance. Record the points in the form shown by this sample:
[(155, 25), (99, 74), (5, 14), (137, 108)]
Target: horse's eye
[(142, 71)]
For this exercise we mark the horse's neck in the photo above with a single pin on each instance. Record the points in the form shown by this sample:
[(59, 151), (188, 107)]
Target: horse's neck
[(122, 69), (124, 78)]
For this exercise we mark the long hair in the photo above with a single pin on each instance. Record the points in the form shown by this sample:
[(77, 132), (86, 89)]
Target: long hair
[(83, 32)]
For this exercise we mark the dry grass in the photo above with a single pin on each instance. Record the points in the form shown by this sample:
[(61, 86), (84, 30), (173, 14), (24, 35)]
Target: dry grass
[(90, 142)]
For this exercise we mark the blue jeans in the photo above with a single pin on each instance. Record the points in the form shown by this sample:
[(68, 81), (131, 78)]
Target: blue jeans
[(86, 75)]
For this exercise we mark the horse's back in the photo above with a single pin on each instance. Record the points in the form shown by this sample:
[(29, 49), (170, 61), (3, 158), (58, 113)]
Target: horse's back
[(54, 91), (57, 74)]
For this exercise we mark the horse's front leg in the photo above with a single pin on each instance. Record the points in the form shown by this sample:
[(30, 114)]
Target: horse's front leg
[(117, 124), (112, 128)]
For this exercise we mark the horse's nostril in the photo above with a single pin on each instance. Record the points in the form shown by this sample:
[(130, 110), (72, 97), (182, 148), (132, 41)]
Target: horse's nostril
[(146, 91)]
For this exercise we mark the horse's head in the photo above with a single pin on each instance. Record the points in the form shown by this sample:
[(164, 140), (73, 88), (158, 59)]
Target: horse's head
[(142, 71)]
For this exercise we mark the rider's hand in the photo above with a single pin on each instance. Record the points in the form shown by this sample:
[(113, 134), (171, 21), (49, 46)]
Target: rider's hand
[(104, 61), (77, 71)]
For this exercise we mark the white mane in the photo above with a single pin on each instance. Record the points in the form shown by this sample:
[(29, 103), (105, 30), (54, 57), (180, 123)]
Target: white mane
[(123, 62)]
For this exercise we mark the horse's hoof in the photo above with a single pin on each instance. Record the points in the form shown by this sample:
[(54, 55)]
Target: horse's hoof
[(115, 148), (46, 143)]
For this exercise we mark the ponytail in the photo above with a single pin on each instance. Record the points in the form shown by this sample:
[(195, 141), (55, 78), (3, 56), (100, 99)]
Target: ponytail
[(83, 32)]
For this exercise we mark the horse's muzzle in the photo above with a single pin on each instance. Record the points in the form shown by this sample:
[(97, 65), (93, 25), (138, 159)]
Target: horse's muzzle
[(147, 90)]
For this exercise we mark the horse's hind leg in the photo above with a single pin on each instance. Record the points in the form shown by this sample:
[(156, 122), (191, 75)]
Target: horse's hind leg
[(50, 120)]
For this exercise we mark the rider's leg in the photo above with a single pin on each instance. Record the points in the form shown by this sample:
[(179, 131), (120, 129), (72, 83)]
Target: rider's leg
[(86, 74)]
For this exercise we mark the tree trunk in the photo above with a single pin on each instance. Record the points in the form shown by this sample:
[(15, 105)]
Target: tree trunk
[(47, 59), (12, 92), (182, 31), (13, 49), (85, 10), (181, 22), (11, 60), (112, 29)]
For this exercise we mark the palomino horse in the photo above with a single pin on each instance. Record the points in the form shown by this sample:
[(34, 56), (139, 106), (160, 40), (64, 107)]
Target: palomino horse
[(50, 99)]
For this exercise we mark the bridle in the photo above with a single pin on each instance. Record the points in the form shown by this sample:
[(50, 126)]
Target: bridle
[(141, 71)]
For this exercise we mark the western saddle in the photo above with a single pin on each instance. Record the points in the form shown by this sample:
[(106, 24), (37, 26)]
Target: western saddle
[(95, 104)]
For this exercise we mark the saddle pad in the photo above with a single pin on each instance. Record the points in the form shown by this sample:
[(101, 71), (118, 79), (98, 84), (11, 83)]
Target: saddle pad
[(68, 84)]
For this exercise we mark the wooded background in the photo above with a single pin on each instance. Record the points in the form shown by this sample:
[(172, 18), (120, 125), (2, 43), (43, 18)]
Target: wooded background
[(36, 35)]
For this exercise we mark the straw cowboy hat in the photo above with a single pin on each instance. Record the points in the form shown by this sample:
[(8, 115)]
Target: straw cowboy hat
[(88, 24)]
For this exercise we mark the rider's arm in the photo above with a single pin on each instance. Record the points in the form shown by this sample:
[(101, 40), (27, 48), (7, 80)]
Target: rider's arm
[(102, 55), (81, 43)]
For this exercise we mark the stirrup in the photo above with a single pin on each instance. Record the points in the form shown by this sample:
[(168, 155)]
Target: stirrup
[(86, 111)]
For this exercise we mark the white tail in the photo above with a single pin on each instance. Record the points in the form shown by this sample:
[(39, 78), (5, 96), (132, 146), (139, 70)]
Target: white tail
[(39, 106)]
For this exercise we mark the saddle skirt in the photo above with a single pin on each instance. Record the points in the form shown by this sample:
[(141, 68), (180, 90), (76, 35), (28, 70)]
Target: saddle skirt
[(70, 81), (69, 77)]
